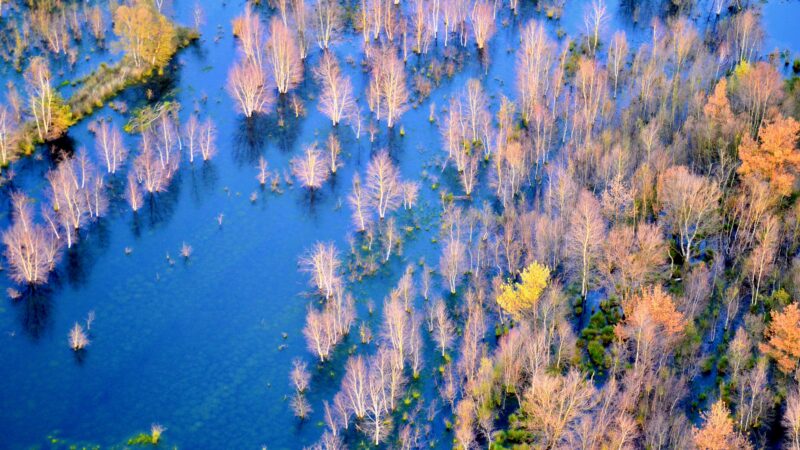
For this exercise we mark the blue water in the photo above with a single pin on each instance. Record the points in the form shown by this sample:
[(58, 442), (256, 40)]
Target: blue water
[(196, 345)]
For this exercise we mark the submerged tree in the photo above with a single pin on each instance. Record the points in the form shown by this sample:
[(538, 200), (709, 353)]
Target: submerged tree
[(311, 168), (336, 100), (452, 263), (483, 22), (108, 141), (322, 262), (133, 193), (31, 249), (387, 88), (77, 338), (247, 84), (383, 184), (247, 27), (283, 56), (51, 115)]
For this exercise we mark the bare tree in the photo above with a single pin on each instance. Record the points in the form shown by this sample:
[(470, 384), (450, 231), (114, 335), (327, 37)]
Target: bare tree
[(8, 137), (319, 333), (594, 19), (300, 406), (383, 184), (299, 376), (322, 263), (617, 54), (359, 202), (482, 18), (443, 331), (300, 16), (76, 195), (377, 419), (207, 139), (311, 168), (191, 131), (451, 263), (31, 250), (791, 419), (247, 84), (45, 105), (555, 403), (77, 338), (390, 237), (421, 32), (586, 232), (387, 88), (108, 141), (534, 64), (354, 386), (150, 171), (410, 193), (336, 100), (333, 149), (247, 27), (328, 22), (133, 193), (689, 203), (283, 56), (263, 171), (761, 260)]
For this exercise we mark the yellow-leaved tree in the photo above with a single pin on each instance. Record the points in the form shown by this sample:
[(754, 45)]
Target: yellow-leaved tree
[(519, 298), (147, 37)]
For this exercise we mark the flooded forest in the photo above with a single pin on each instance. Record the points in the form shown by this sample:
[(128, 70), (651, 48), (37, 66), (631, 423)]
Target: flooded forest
[(400, 224)]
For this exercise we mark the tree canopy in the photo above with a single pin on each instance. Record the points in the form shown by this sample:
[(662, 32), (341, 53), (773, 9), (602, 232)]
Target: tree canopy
[(148, 38), (516, 298)]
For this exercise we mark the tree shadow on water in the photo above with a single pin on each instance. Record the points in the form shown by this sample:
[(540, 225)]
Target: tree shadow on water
[(35, 309), (249, 139), (309, 200), (203, 176), (159, 208)]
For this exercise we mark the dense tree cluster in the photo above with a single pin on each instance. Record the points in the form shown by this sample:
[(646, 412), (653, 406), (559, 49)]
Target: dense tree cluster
[(617, 232)]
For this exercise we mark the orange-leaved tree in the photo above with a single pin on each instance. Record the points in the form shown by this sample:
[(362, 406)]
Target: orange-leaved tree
[(774, 157), (717, 432), (652, 323), (783, 338)]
